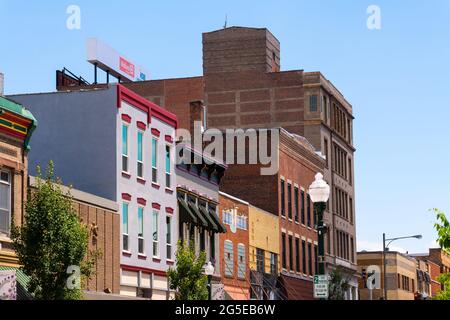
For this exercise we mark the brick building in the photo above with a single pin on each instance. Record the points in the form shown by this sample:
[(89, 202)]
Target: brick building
[(438, 262), (124, 148), (234, 246), (242, 87), (103, 220), (264, 254), (401, 275), (285, 195), (16, 127)]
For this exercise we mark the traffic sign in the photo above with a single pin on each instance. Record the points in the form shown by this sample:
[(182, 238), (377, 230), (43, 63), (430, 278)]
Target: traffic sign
[(321, 286)]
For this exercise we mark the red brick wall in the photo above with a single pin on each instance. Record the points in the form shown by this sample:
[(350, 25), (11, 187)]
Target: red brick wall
[(241, 236)]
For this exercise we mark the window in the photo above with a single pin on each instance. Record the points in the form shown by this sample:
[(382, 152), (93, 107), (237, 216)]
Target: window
[(304, 257), (296, 203), (141, 230), (302, 206), (289, 191), (313, 103), (5, 202), (273, 263), (168, 182), (169, 237), (291, 256), (212, 246), (297, 254), (140, 163), (242, 269), (154, 160), (325, 107), (352, 247), (260, 267), (228, 256), (227, 217), (350, 176), (308, 211), (125, 226), (242, 222), (283, 250), (351, 209), (155, 224), (282, 198), (310, 258), (124, 147), (325, 147), (316, 260)]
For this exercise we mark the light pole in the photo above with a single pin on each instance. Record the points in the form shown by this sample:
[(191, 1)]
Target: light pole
[(385, 248), (319, 191), (209, 271)]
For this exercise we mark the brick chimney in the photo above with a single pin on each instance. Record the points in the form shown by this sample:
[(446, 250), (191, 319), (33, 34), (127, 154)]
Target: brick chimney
[(240, 49)]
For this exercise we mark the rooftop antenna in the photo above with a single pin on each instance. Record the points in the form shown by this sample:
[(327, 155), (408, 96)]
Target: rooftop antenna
[(226, 20)]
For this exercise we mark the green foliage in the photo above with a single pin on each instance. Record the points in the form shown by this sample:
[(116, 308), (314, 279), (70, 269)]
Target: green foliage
[(50, 240), (337, 285), (188, 278), (442, 227)]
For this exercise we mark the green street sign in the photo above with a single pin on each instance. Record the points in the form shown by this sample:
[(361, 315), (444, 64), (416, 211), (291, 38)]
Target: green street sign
[(321, 286)]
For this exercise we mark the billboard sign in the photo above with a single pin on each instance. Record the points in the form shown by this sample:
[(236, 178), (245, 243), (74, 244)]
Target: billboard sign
[(108, 59), (8, 285)]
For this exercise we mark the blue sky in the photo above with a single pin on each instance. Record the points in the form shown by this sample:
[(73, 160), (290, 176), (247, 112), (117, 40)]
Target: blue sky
[(397, 79)]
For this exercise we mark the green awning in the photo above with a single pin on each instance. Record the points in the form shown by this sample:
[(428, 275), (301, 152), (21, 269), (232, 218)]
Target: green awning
[(219, 223), (200, 217), (184, 209), (211, 222), (22, 281)]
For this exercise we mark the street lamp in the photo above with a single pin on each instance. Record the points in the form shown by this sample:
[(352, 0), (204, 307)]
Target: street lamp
[(209, 271), (319, 191), (385, 248)]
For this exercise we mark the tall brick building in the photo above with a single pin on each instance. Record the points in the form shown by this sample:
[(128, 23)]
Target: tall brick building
[(242, 87)]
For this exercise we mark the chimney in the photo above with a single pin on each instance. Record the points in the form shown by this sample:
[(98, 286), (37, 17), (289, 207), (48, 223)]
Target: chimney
[(2, 78)]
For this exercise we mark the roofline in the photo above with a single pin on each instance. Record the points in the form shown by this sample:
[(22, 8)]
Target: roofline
[(233, 198)]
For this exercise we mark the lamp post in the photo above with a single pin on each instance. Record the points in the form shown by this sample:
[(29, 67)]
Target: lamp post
[(319, 191), (386, 248), (209, 271)]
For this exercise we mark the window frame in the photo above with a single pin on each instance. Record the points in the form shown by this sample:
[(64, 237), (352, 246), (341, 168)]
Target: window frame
[(168, 175), (140, 162), (126, 156), (155, 231), (169, 238), (7, 210), (141, 228), (125, 234), (155, 142)]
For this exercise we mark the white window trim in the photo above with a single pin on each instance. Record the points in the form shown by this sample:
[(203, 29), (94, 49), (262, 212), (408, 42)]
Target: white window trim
[(169, 244), (142, 153), (128, 148), (8, 183), (155, 167), (143, 231), (128, 226), (157, 234), (170, 165)]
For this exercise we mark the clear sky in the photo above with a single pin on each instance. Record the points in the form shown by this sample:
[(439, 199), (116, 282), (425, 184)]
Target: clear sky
[(397, 79)]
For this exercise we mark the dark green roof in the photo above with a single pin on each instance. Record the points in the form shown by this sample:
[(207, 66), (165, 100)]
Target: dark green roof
[(19, 110)]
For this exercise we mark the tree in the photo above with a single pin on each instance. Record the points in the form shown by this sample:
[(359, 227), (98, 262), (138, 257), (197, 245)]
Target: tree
[(52, 242), (188, 278), (442, 227), (338, 285)]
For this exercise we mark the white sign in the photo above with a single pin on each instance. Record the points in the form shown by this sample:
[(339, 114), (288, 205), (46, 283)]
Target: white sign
[(217, 291), (110, 60), (321, 286), (8, 287)]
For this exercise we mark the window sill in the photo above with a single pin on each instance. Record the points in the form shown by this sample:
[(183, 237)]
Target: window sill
[(170, 262), (296, 222), (283, 217), (5, 238), (156, 259), (126, 174), (142, 256), (141, 180), (126, 253), (155, 185), (169, 190)]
